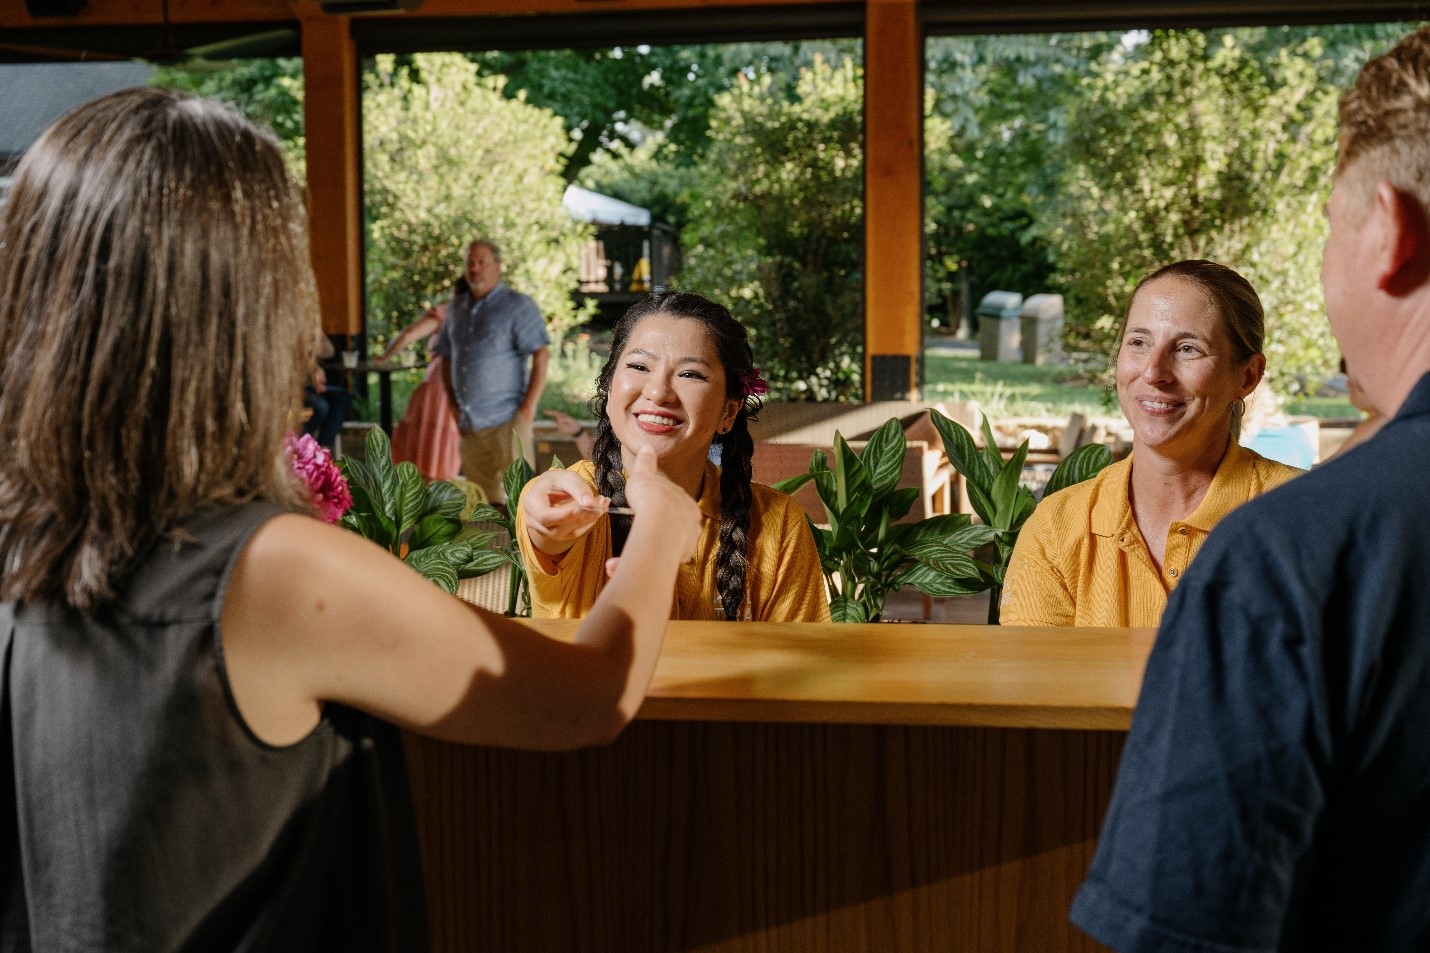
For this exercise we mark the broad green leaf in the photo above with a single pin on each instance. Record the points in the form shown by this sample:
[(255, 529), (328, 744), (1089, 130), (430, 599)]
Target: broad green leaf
[(375, 526), (950, 561), (792, 484), (1083, 463), (482, 562), (366, 489), (514, 478), (411, 496), (962, 452), (556, 463), (847, 609), (935, 583), (898, 503), (478, 538), (432, 530), (435, 566), (378, 452), (845, 462), (883, 456), (445, 499), (1005, 488), (936, 527), (486, 513), (992, 456)]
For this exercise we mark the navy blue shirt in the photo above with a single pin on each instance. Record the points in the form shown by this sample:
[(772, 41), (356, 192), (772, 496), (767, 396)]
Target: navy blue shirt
[(1274, 793), (488, 343)]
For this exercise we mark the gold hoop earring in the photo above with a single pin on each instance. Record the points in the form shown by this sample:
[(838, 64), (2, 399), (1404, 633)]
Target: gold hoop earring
[(1238, 408)]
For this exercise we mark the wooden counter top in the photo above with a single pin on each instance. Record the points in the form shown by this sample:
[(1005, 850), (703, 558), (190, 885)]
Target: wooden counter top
[(972, 675)]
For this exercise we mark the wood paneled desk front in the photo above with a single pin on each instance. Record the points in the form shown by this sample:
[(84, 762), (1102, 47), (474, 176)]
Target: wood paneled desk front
[(797, 788)]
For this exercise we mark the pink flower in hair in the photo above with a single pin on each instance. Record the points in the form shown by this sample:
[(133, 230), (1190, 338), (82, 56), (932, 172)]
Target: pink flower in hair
[(326, 486), (752, 384)]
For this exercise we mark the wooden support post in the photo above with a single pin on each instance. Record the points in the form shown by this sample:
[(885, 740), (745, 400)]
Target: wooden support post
[(893, 199), (332, 132)]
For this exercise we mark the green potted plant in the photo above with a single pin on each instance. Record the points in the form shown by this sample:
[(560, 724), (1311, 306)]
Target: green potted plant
[(999, 499), (420, 524), (515, 477), (864, 553)]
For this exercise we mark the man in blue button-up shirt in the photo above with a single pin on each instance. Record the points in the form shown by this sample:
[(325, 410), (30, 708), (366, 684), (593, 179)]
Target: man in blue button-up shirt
[(488, 337), (1274, 794)]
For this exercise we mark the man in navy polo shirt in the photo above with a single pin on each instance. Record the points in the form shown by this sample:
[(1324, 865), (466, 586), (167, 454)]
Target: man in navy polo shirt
[(490, 335), (1274, 794)]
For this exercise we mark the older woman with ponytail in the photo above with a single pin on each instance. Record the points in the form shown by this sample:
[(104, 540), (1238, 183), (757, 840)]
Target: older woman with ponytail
[(680, 379)]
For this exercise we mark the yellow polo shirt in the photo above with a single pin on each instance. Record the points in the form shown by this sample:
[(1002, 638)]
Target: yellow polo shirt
[(1081, 560), (783, 582)]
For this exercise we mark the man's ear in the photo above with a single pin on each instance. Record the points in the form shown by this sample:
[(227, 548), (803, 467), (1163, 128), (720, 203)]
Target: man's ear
[(1403, 238)]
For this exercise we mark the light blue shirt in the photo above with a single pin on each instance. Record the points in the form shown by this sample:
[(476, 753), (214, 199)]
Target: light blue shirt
[(488, 344)]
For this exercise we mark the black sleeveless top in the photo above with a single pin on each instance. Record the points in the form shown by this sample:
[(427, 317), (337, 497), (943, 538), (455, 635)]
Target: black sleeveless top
[(137, 812)]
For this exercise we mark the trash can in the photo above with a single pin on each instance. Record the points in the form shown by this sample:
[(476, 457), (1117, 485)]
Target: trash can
[(1042, 327), (998, 329)]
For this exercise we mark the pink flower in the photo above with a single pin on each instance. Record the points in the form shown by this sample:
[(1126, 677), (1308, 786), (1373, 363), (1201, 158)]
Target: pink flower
[(325, 483), (753, 384)]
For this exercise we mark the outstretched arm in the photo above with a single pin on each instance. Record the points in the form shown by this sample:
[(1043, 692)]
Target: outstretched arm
[(422, 327), (315, 614)]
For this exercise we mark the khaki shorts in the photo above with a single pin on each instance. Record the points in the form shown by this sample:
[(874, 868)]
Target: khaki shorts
[(485, 453)]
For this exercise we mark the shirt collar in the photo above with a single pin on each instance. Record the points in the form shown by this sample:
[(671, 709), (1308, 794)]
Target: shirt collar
[(1228, 490), (1113, 504)]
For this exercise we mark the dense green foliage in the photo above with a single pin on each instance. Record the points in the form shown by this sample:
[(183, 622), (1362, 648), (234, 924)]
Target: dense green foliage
[(998, 496), (447, 158), (421, 523), (865, 553), (778, 228), (1191, 147), (1004, 100)]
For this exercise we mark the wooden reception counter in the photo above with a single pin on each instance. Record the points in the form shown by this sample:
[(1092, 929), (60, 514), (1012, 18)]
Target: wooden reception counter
[(804, 788)]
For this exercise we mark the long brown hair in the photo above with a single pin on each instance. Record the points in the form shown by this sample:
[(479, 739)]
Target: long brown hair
[(157, 315)]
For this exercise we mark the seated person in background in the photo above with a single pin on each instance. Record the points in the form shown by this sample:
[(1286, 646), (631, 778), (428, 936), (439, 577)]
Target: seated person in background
[(201, 684), (680, 377), (1108, 551), (329, 406), (427, 435)]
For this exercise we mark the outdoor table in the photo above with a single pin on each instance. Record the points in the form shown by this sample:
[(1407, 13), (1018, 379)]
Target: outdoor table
[(797, 787), (384, 371)]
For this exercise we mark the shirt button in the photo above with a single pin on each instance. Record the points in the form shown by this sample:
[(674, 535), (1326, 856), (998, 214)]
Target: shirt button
[(1181, 531), (1172, 572)]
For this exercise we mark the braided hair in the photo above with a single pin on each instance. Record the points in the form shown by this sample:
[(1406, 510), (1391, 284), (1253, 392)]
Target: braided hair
[(737, 447)]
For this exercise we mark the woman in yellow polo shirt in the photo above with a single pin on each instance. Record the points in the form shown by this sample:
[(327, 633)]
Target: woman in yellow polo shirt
[(681, 377), (1109, 551)]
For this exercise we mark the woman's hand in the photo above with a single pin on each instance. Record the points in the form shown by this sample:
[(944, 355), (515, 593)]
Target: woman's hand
[(659, 502), (560, 507)]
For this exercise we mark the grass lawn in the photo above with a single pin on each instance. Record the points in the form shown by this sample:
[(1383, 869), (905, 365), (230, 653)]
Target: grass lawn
[(1008, 389)]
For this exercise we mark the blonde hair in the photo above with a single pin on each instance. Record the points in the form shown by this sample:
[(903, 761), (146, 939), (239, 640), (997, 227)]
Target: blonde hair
[(157, 317), (1385, 121)]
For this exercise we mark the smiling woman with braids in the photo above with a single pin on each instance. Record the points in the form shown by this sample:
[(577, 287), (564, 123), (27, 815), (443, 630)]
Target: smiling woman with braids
[(680, 378)]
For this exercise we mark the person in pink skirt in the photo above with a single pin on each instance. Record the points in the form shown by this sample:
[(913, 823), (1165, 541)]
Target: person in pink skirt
[(427, 434)]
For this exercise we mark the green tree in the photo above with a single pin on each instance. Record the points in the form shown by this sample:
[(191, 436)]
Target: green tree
[(447, 158), (1005, 101), (1189, 146), (777, 229)]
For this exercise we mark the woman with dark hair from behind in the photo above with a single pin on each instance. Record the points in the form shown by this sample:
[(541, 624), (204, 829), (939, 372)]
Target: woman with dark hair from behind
[(201, 684), (680, 378)]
